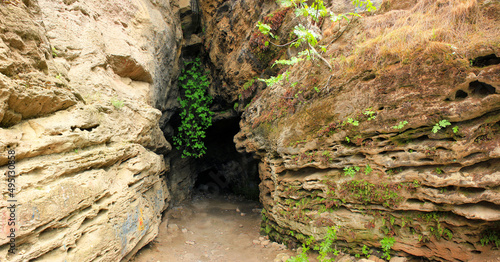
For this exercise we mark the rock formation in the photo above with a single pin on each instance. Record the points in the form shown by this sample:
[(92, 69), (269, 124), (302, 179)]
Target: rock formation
[(400, 139), (78, 82)]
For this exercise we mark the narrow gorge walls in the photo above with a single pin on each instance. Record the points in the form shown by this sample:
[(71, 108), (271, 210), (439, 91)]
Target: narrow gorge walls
[(398, 141), (79, 83)]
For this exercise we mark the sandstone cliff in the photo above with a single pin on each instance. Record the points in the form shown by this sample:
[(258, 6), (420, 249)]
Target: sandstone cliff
[(361, 146), (79, 81)]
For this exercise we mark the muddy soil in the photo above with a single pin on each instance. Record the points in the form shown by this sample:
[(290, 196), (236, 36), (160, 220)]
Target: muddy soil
[(219, 229)]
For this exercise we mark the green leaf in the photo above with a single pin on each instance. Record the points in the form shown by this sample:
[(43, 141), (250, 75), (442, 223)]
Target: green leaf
[(263, 28)]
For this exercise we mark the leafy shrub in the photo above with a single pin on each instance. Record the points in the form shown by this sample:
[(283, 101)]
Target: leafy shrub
[(195, 114), (387, 243)]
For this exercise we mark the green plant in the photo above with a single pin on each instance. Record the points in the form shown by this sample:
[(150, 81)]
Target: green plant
[(368, 169), (370, 114), (490, 237), (352, 122), (326, 245), (351, 170), (441, 124), (400, 125), (54, 52), (195, 114), (311, 14), (455, 129), (324, 248), (366, 251), (236, 105), (302, 257), (117, 103), (274, 79), (387, 243), (268, 229), (347, 139), (439, 171)]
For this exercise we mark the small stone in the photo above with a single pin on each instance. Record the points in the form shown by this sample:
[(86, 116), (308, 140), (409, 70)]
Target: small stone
[(256, 242), (398, 259), (275, 245), (172, 228), (256, 210), (282, 257), (262, 238), (190, 242), (346, 258), (238, 210), (243, 214), (241, 225), (184, 230), (375, 259), (265, 243)]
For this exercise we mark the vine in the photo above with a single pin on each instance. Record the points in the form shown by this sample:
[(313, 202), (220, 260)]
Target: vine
[(195, 112)]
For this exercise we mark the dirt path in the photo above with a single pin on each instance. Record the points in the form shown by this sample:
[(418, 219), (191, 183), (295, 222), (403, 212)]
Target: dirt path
[(215, 229)]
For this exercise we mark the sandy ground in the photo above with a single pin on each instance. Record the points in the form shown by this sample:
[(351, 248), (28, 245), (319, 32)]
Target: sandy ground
[(215, 229)]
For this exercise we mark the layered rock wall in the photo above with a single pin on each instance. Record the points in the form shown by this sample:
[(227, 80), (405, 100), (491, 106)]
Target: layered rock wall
[(361, 146), (78, 82)]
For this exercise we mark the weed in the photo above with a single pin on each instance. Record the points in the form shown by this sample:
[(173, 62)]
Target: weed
[(441, 124), (387, 243), (352, 122), (400, 125), (54, 52), (366, 251), (351, 171), (490, 237), (370, 114), (117, 103), (368, 169)]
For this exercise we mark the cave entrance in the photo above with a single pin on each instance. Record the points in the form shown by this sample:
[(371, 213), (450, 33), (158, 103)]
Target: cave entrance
[(222, 170)]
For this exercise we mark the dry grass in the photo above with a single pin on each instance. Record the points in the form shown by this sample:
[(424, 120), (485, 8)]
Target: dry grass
[(456, 25)]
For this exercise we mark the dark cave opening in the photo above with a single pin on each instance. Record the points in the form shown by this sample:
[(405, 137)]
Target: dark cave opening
[(223, 169), (481, 89)]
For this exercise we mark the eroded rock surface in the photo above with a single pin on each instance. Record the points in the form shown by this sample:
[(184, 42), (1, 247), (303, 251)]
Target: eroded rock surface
[(78, 82), (360, 146)]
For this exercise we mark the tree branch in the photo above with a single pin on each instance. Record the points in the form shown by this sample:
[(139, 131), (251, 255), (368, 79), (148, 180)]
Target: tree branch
[(319, 56)]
